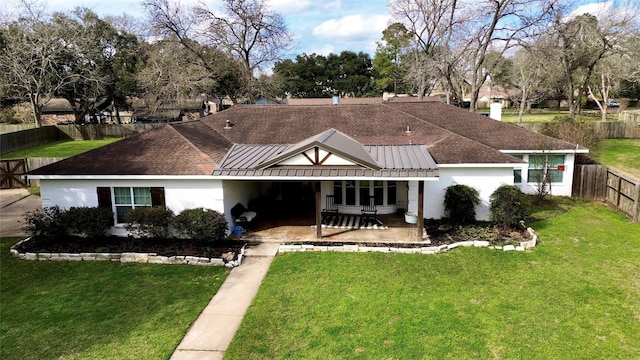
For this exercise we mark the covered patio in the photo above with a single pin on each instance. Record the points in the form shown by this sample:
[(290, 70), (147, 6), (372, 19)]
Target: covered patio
[(299, 229)]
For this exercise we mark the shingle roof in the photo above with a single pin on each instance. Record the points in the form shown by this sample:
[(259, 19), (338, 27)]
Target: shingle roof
[(451, 135)]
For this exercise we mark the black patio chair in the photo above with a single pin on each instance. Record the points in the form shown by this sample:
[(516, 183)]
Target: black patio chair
[(369, 210)]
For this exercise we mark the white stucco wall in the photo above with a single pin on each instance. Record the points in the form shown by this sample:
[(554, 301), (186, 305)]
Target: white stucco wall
[(485, 180), (179, 194)]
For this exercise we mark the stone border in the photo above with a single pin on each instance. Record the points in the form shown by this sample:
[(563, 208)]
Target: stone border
[(128, 257), (417, 250)]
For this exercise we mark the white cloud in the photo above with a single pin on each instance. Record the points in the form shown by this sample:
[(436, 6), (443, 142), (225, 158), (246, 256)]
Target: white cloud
[(598, 9), (355, 27), (288, 7)]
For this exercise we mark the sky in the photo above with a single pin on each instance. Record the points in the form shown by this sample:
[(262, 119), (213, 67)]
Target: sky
[(318, 26)]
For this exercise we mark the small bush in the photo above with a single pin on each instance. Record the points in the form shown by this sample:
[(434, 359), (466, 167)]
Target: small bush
[(507, 206), (149, 222), (202, 224), (89, 221), (460, 203), (578, 130), (45, 224)]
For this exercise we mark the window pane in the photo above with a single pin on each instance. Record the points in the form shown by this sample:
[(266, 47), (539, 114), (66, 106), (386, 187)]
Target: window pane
[(391, 193), (337, 192), (555, 175), (350, 186), (517, 176), (378, 194), (536, 161), (142, 196), (122, 195), (121, 212), (555, 160), (535, 175), (364, 192)]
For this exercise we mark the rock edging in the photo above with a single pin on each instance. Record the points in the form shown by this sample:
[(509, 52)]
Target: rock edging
[(128, 257), (524, 245)]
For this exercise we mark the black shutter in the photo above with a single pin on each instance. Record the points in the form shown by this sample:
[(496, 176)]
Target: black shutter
[(157, 196), (104, 197)]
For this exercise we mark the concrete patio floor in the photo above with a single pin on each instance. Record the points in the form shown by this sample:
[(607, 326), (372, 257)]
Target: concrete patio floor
[(298, 229)]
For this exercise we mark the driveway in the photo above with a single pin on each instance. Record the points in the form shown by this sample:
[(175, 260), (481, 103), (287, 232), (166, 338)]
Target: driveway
[(14, 203)]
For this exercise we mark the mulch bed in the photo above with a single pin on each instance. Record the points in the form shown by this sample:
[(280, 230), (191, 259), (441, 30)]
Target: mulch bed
[(444, 233), (114, 244)]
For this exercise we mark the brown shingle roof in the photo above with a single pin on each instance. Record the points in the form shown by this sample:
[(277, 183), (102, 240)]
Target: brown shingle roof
[(188, 149), (452, 136)]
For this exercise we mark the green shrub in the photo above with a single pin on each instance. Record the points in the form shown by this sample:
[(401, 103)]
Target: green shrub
[(507, 207), (45, 224), (89, 221), (149, 222), (460, 203), (201, 223)]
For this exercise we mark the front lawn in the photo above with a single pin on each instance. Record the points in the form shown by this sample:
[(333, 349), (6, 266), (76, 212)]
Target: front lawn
[(622, 154), (98, 310), (576, 295), (64, 149)]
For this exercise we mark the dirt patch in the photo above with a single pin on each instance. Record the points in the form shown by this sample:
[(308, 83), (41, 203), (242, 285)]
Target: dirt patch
[(115, 244)]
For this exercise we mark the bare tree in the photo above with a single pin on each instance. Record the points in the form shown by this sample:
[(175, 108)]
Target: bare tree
[(528, 77), (29, 57), (458, 35), (248, 32)]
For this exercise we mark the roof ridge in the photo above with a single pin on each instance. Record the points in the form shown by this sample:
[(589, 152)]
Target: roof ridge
[(202, 153), (444, 129)]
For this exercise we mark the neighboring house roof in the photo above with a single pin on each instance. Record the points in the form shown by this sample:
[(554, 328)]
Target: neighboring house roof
[(371, 135), (57, 106)]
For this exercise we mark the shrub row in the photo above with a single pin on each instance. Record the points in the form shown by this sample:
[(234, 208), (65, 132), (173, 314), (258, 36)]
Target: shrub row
[(51, 223), (507, 207)]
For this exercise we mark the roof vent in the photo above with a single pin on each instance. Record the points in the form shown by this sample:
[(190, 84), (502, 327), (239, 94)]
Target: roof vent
[(336, 99), (408, 131), (227, 124)]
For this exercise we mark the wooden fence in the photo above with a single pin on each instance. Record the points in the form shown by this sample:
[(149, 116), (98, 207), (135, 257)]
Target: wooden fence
[(12, 171), (597, 182)]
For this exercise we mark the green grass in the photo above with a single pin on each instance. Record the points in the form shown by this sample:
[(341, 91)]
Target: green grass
[(59, 149), (575, 296), (98, 310), (622, 155), (548, 115)]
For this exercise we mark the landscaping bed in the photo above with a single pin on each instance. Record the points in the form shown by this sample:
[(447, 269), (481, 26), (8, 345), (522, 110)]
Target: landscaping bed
[(115, 244), (445, 233)]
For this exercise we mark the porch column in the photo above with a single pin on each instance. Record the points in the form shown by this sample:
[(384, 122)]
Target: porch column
[(420, 228), (318, 211)]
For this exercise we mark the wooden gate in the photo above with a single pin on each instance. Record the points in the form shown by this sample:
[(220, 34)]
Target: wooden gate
[(11, 172)]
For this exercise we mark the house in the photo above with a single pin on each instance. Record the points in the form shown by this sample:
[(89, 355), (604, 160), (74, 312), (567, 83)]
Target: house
[(402, 156)]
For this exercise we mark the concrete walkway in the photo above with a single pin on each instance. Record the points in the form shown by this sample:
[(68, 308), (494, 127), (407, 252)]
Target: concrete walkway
[(14, 203), (212, 332)]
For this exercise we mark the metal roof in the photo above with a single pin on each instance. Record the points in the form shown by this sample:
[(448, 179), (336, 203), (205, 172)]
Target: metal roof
[(391, 160), (332, 141)]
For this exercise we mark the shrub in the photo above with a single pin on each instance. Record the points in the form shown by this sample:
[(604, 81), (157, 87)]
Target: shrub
[(201, 223), (149, 222), (89, 221), (507, 206), (45, 224), (578, 130), (460, 203)]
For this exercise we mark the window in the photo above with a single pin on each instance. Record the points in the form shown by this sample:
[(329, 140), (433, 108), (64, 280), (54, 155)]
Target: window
[(545, 165), (364, 192), (127, 198), (383, 192), (378, 192), (350, 189), (391, 193), (517, 173), (337, 192)]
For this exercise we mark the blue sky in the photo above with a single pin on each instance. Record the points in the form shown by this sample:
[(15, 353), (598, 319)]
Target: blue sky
[(320, 26)]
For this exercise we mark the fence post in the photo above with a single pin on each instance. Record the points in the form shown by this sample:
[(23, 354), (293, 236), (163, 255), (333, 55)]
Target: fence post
[(636, 216)]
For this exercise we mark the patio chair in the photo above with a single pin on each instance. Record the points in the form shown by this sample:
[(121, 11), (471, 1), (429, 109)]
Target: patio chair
[(369, 210), (330, 209)]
